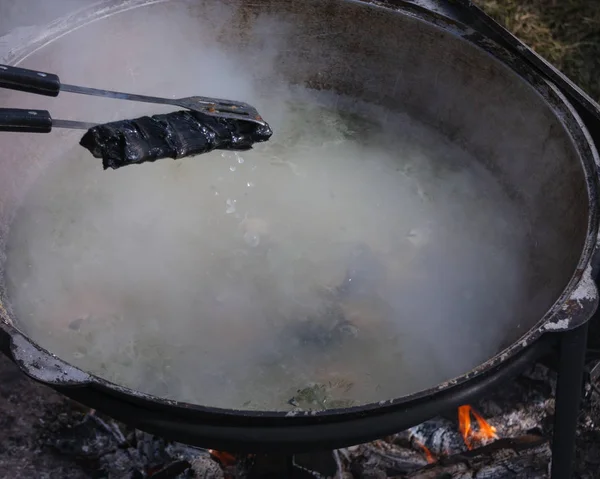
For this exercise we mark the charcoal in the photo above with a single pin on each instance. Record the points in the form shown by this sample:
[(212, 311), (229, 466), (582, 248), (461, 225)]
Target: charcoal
[(84, 439), (184, 452), (172, 470), (152, 449), (206, 468), (173, 135)]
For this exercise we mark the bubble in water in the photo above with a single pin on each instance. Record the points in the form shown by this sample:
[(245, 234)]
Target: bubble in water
[(230, 206), (250, 184), (239, 159), (251, 239), (232, 168)]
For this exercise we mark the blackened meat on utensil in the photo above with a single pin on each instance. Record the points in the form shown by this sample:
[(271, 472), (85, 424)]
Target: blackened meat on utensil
[(173, 135)]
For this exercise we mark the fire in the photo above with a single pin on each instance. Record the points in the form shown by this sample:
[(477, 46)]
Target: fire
[(484, 433), (226, 459), (428, 455)]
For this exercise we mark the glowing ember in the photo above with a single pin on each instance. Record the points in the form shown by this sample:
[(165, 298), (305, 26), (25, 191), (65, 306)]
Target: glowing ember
[(484, 433), (224, 458), (428, 455)]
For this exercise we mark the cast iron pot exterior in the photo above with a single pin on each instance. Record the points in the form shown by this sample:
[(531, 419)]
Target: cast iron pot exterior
[(574, 301)]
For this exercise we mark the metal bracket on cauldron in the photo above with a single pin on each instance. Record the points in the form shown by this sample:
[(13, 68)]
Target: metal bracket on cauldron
[(579, 308)]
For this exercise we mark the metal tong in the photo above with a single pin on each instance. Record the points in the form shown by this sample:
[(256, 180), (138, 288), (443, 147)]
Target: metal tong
[(49, 84)]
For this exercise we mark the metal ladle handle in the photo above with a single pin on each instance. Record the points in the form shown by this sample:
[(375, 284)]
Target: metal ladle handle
[(30, 81), (25, 121), (35, 121)]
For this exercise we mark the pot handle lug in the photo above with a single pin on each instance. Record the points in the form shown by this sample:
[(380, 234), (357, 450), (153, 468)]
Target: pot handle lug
[(579, 308), (43, 366)]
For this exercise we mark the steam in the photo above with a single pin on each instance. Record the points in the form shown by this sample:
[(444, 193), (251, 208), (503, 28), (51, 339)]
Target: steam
[(29, 13), (191, 278)]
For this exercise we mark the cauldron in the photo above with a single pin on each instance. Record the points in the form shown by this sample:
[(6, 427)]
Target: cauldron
[(514, 122)]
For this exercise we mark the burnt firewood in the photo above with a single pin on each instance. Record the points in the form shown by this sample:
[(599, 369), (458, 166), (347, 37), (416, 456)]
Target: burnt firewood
[(172, 470), (172, 135), (525, 457), (87, 438), (439, 435), (381, 459)]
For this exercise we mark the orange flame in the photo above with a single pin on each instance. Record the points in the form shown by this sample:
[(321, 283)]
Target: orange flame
[(484, 433), (428, 455)]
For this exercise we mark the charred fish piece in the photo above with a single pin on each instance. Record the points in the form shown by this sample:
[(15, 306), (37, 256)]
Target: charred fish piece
[(173, 135)]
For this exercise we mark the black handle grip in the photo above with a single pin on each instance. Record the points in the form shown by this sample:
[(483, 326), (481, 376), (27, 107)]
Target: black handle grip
[(26, 121), (30, 81)]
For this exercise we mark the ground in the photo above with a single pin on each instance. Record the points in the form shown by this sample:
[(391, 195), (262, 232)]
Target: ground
[(23, 406), (564, 32)]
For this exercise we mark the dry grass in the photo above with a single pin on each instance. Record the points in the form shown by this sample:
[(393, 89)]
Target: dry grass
[(565, 32)]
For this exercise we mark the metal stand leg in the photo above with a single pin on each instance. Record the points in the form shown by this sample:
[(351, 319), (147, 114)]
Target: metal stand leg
[(568, 400), (274, 466)]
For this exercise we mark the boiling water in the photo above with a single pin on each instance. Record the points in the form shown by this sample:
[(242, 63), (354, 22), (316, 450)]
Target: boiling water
[(345, 261)]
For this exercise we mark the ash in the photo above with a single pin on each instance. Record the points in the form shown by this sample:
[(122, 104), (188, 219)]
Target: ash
[(46, 435)]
